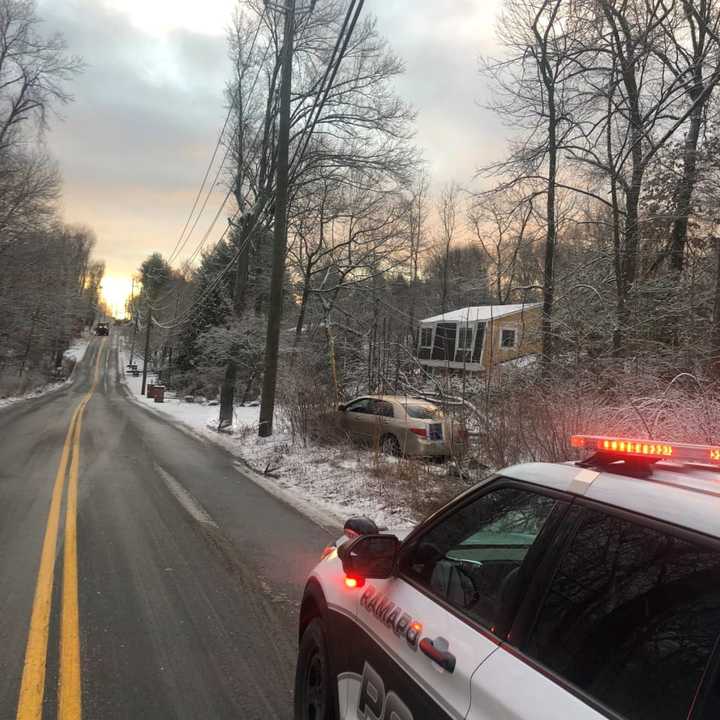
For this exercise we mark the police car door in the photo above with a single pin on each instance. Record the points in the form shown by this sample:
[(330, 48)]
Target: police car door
[(426, 631), (625, 627)]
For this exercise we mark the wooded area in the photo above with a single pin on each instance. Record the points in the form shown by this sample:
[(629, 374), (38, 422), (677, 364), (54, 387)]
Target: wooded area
[(604, 209), (49, 282)]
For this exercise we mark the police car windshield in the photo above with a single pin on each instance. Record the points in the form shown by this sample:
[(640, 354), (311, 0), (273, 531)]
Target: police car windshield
[(423, 412)]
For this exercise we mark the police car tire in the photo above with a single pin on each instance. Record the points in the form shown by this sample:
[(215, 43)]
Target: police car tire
[(313, 680)]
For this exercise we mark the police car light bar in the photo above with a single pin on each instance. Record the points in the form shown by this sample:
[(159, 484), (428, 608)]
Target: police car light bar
[(652, 450)]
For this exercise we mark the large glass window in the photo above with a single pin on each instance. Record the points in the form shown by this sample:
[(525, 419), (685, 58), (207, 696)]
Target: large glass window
[(631, 617), (472, 558), (426, 337), (464, 338)]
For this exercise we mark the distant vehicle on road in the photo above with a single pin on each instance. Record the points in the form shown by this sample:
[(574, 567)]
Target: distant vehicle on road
[(402, 425), (550, 591), (102, 329)]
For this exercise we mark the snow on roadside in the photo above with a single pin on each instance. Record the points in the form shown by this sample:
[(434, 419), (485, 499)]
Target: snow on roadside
[(77, 350), (38, 392), (338, 481), (75, 353)]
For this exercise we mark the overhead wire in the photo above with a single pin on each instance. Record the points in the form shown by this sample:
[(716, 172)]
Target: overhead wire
[(216, 280), (180, 242), (177, 250), (220, 169), (324, 89)]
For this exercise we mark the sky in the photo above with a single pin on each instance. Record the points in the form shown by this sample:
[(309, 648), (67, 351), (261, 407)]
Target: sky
[(134, 144)]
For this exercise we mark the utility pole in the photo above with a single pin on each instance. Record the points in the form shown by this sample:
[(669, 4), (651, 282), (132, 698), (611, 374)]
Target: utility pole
[(272, 341), (147, 348), (135, 321)]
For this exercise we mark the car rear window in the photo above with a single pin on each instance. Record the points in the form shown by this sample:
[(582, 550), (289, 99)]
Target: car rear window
[(423, 412)]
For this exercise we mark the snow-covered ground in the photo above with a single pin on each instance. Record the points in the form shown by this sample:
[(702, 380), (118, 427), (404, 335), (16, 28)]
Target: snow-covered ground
[(331, 482), (38, 392), (75, 352)]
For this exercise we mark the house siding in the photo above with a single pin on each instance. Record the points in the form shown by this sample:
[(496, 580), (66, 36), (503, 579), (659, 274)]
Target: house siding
[(486, 350), (527, 328)]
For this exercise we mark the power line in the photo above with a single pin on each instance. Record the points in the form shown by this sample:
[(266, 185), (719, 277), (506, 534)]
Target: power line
[(186, 314), (178, 245), (326, 88), (321, 97)]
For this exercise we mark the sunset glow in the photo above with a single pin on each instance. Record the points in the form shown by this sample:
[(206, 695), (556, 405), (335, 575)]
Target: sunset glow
[(116, 290)]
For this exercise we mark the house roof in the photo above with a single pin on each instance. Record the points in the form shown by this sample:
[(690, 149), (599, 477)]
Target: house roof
[(480, 313)]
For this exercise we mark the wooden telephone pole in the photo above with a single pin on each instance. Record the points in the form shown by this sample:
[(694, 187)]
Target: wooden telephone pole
[(272, 341), (147, 348)]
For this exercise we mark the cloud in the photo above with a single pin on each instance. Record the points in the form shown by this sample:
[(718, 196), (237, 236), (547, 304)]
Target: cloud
[(135, 143), (441, 44)]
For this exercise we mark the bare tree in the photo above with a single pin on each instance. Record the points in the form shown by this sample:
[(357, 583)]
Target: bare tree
[(447, 213)]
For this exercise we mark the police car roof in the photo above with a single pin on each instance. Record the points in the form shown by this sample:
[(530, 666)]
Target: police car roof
[(687, 496)]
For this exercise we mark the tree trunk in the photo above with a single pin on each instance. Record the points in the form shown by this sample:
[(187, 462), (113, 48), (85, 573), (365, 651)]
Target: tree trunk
[(301, 314), (146, 357), (550, 239), (28, 345), (716, 306), (227, 395), (332, 359), (227, 389), (272, 342)]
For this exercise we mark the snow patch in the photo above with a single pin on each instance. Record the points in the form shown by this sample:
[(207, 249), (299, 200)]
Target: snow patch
[(327, 483), (77, 350)]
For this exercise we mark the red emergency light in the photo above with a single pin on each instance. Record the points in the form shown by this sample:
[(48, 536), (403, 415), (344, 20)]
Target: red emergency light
[(652, 450)]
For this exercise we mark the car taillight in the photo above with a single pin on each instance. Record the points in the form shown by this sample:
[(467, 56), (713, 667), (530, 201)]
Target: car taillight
[(422, 432)]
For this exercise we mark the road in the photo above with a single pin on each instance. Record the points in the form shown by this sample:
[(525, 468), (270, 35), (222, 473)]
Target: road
[(141, 574)]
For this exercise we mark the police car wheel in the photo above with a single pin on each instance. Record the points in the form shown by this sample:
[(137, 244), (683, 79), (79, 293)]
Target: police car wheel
[(390, 445), (313, 691)]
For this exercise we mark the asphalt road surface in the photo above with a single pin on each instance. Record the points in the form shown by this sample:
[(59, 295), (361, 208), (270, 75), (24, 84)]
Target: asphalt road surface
[(141, 574)]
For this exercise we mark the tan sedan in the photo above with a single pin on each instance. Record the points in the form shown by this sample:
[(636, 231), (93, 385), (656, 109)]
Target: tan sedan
[(402, 425)]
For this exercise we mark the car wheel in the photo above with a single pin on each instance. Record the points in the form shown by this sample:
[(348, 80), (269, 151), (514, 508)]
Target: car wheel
[(390, 445), (313, 689)]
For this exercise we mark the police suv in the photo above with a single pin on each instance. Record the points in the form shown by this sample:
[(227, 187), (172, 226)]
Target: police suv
[(551, 591)]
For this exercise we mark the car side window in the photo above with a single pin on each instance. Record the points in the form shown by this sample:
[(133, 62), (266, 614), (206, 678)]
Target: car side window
[(383, 408), (359, 406), (472, 559), (631, 617)]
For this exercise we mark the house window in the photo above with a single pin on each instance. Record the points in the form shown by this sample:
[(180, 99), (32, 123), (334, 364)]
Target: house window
[(426, 337), (508, 338), (464, 338)]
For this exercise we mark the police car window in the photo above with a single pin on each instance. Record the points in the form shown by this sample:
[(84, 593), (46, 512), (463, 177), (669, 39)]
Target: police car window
[(711, 707), (472, 558), (631, 617)]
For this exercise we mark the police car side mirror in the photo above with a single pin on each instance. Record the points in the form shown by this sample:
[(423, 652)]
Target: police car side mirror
[(370, 557)]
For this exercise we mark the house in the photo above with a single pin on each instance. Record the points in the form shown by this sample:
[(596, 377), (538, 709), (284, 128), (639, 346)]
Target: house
[(477, 338)]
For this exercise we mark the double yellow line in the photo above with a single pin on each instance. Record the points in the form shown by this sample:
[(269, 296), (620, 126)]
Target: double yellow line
[(32, 687)]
